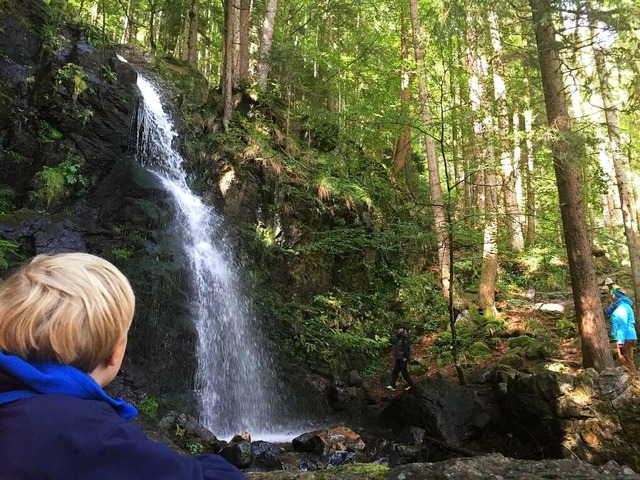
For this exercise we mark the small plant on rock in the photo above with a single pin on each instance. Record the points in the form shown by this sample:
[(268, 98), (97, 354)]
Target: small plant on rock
[(149, 407)]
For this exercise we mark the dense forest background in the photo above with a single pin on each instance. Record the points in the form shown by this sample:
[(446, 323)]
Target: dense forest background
[(413, 161)]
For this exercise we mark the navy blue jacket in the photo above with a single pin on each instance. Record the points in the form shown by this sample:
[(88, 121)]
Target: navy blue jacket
[(61, 437), (402, 346)]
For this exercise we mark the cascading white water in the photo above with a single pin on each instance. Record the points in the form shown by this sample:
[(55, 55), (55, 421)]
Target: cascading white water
[(233, 375)]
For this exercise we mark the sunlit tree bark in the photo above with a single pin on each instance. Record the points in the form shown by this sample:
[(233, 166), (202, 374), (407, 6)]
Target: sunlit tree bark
[(192, 40), (595, 345), (265, 43), (243, 46), (432, 160), (231, 12), (510, 171), (484, 153)]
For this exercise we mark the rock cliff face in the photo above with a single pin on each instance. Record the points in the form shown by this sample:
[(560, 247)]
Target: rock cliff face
[(69, 180), (594, 417)]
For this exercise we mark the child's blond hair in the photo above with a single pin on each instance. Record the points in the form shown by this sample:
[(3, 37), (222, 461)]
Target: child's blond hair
[(71, 307)]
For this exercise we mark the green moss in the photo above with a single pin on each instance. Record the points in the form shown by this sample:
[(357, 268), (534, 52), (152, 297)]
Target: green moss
[(522, 341), (511, 360), (371, 470), (479, 350)]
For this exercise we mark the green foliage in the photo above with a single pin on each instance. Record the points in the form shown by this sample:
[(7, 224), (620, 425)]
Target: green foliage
[(122, 253), (52, 39), (73, 78), (421, 301), (52, 184), (108, 74), (195, 448), (327, 335), (8, 252), (47, 133), (7, 196), (544, 269), (149, 407)]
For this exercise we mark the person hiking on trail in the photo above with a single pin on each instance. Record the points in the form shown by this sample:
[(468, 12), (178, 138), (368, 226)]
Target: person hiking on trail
[(623, 328), (402, 359)]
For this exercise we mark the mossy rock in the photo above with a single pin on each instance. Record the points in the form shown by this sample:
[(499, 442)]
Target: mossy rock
[(186, 79), (566, 328), (479, 350), (512, 360), (503, 372), (523, 341), (542, 349), (356, 471)]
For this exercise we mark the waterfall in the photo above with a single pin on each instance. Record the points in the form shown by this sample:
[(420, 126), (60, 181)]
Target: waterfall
[(233, 381)]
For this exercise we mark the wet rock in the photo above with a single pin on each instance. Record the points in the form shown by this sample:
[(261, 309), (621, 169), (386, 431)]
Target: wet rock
[(326, 442), (339, 458), (239, 454), (186, 431), (266, 455), (411, 436), (449, 412), (240, 437)]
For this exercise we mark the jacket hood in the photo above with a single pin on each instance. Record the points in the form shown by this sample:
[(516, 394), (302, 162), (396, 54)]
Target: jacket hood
[(21, 379), (622, 298)]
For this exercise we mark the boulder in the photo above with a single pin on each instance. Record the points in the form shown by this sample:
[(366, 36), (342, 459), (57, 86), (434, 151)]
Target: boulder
[(239, 454), (185, 430), (594, 417), (266, 455), (496, 466), (447, 412), (326, 442)]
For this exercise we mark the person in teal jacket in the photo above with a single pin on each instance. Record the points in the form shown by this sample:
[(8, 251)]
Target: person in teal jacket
[(623, 327)]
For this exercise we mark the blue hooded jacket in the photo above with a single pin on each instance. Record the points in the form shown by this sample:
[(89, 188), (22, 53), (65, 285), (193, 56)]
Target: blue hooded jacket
[(56, 423), (623, 320)]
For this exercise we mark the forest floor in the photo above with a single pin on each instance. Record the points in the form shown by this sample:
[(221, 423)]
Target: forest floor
[(531, 319)]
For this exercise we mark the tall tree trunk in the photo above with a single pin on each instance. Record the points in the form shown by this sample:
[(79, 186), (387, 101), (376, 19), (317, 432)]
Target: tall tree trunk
[(595, 345), (265, 44), (402, 152), (230, 12), (152, 26), (510, 172), (529, 165), (126, 29), (192, 40), (439, 213), (620, 165), (243, 46), (489, 271), (484, 153)]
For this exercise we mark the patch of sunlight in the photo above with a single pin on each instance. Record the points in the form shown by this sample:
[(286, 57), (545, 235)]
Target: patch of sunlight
[(579, 397), (557, 261), (226, 180), (556, 367)]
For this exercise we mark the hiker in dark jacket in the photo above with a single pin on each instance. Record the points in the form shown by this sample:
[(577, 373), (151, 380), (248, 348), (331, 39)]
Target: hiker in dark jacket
[(402, 353), (63, 334)]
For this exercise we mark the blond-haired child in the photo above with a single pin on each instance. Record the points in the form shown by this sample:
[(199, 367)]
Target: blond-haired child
[(63, 334)]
